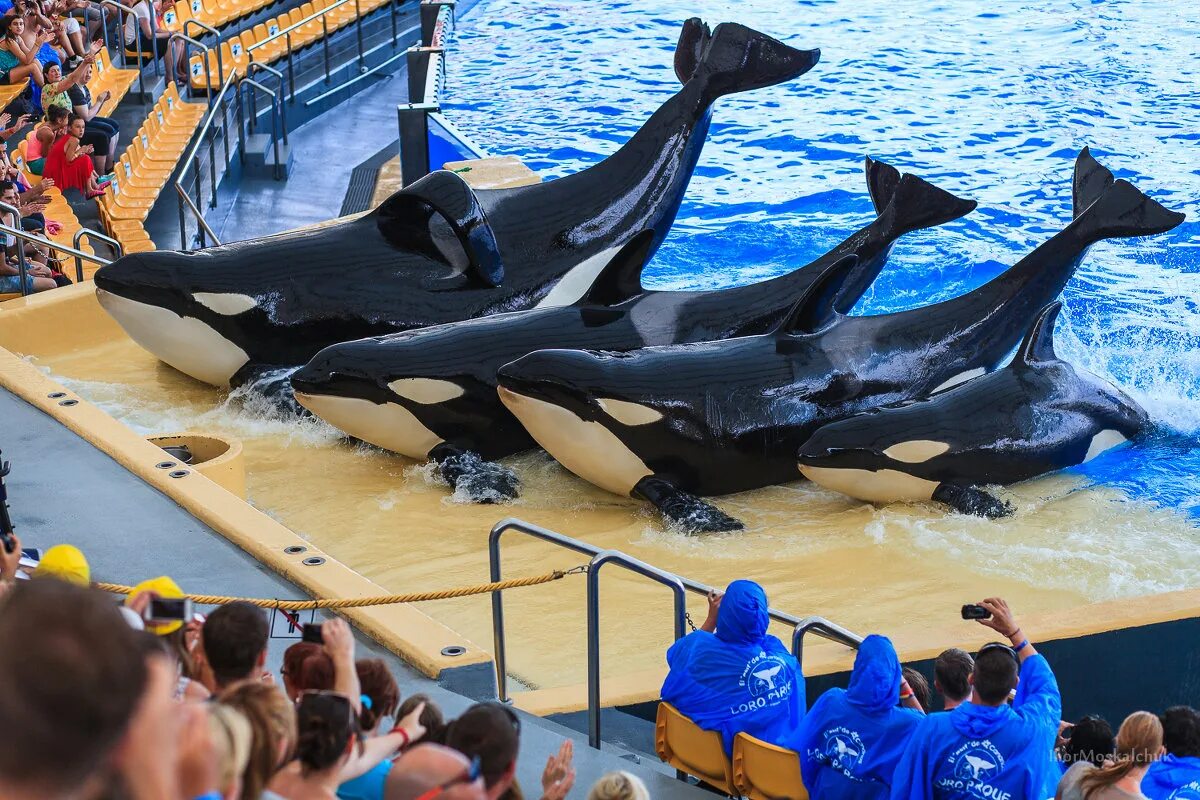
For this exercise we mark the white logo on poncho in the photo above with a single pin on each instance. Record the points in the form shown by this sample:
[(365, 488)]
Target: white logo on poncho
[(972, 765), (767, 679)]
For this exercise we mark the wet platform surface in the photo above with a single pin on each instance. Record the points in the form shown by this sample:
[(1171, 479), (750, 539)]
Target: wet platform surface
[(64, 490)]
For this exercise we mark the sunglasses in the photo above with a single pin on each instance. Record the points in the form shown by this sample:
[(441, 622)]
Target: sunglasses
[(474, 770)]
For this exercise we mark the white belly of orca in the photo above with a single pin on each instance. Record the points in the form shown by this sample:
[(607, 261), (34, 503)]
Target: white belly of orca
[(1106, 439), (186, 343), (884, 486), (387, 425), (573, 285), (588, 449)]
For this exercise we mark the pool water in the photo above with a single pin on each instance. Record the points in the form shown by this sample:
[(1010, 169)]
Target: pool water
[(990, 105)]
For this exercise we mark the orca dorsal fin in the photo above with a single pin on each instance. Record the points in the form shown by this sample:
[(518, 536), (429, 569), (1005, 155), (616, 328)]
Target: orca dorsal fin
[(817, 307), (621, 277), (1038, 344)]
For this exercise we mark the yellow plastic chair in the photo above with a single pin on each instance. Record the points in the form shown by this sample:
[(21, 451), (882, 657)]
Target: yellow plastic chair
[(763, 771), (688, 748)]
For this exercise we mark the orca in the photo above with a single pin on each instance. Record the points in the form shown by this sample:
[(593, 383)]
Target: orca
[(431, 393), (1037, 415), (436, 251), (714, 418)]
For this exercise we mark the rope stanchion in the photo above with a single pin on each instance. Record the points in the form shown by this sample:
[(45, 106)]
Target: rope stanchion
[(362, 602)]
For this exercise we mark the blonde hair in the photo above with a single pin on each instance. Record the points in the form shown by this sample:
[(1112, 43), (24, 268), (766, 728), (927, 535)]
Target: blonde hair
[(272, 719), (232, 736), (619, 786), (1139, 743)]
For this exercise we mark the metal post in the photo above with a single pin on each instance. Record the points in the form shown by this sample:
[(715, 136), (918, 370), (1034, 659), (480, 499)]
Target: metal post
[(414, 141), (212, 163), (275, 135), (183, 242), (325, 44), (104, 34), (199, 202), (593, 622), (91, 234), (418, 65), (241, 125), (22, 267), (154, 39), (362, 60), (291, 68), (395, 35), (224, 137)]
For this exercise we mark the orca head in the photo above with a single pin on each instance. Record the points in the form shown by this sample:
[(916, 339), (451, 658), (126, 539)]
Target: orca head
[(382, 391), (167, 304), (584, 409)]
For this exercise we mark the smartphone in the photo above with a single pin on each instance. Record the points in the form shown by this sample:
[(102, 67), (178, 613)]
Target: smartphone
[(169, 609), (975, 612), (312, 633)]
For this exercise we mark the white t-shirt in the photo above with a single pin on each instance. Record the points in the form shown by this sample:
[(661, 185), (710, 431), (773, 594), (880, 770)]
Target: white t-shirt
[(140, 11)]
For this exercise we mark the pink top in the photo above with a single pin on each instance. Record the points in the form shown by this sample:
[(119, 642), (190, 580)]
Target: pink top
[(33, 146)]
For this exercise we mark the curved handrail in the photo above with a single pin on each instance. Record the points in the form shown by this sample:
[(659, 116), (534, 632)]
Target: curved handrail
[(294, 25), (826, 630), (26, 236), (204, 59), (91, 234), (190, 160), (137, 38), (275, 104), (282, 106)]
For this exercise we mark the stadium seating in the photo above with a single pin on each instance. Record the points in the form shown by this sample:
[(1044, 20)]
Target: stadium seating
[(763, 771), (686, 747), (234, 52)]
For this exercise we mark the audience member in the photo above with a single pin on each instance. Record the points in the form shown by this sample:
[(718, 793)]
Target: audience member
[(41, 138), (55, 90), (65, 562), (1139, 743), (732, 676), (327, 740), (306, 666), (431, 717), (1090, 739), (233, 646), (919, 687), (434, 768), (73, 676), (69, 162), (985, 747), (1179, 769), (952, 677), (380, 696), (232, 738), (619, 786), (102, 133), (38, 276), (272, 721), (492, 732), (162, 587), (17, 64), (851, 739)]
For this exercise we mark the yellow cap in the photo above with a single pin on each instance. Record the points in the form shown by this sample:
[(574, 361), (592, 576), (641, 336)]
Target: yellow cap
[(65, 562), (164, 587)]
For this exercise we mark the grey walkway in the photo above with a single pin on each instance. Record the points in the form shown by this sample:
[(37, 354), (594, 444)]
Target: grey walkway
[(64, 490)]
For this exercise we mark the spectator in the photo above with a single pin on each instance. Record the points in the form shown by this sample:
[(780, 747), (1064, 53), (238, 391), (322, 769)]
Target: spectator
[(17, 64), (306, 666), (182, 644), (69, 162), (919, 686), (432, 767), (233, 646), (380, 696), (1180, 767), (272, 720), (39, 277), (154, 43), (1139, 743), (65, 562), (38, 33), (952, 677), (731, 676), (491, 731), (231, 734), (431, 717), (326, 741), (73, 677), (160, 587), (41, 138), (985, 747), (851, 739), (55, 91), (619, 786), (102, 133), (1090, 740), (7, 131)]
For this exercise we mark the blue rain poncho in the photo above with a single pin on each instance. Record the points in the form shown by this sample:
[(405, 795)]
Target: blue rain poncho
[(982, 753), (1173, 778), (739, 678), (852, 739)]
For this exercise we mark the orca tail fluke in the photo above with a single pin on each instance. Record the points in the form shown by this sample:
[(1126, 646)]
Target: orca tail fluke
[(734, 58), (882, 180), (917, 203), (1123, 211), (1091, 180)]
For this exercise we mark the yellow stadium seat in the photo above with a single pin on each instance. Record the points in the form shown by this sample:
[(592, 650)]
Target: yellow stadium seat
[(688, 748), (763, 771)]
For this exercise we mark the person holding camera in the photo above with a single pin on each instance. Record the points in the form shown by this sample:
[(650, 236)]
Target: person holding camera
[(985, 747)]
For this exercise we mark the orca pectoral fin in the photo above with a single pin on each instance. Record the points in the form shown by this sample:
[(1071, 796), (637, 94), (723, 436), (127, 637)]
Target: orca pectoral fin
[(271, 383), (482, 481), (682, 510), (971, 500)]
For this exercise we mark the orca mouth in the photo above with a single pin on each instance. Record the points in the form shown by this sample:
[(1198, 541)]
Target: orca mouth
[(312, 380), (146, 280)]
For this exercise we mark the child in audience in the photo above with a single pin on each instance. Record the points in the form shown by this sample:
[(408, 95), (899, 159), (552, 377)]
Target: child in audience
[(69, 162)]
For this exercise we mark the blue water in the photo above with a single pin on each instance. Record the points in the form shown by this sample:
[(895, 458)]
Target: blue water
[(991, 101)]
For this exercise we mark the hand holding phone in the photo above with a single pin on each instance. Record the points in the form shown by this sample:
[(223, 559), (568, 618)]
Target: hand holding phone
[(972, 611), (168, 609), (312, 633)]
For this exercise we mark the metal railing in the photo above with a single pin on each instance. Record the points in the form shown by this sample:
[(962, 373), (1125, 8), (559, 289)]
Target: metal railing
[(122, 10), (117, 247), (192, 161), (286, 33), (204, 61), (426, 91), (276, 102), (22, 235), (818, 626)]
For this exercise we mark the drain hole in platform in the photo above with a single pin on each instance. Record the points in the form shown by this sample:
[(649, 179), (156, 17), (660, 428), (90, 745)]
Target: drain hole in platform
[(296, 548), (68, 402), (179, 473), (454, 650), (313, 561), (56, 395)]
